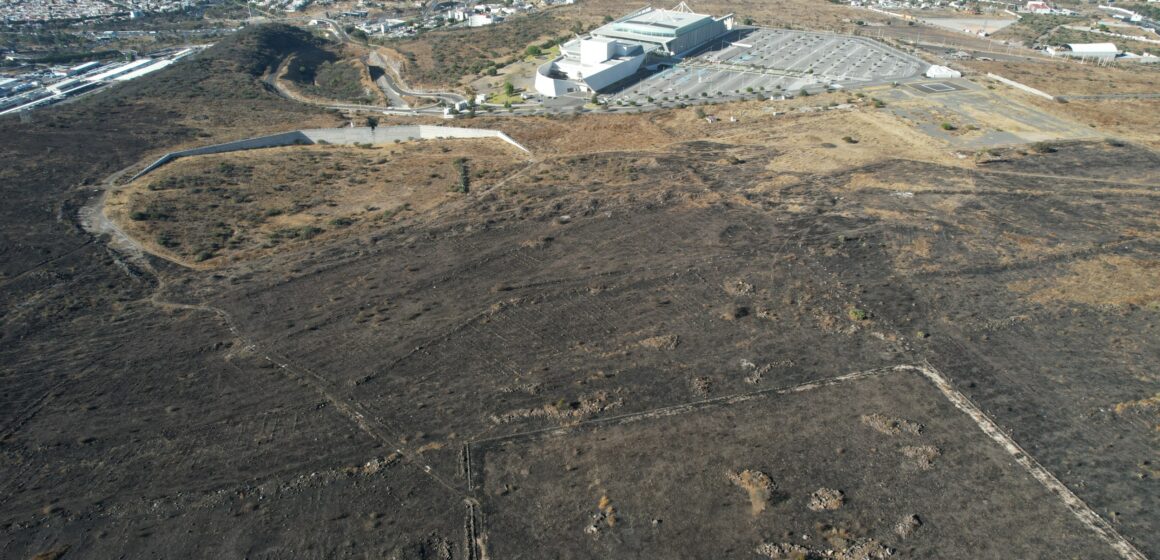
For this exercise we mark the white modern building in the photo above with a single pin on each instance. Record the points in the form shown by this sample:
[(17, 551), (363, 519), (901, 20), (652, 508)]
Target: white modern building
[(615, 51)]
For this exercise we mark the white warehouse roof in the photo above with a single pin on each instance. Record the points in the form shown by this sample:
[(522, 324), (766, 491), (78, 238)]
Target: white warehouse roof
[(1093, 48)]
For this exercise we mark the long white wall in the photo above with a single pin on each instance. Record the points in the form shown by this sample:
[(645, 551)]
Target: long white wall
[(1020, 86), (361, 135)]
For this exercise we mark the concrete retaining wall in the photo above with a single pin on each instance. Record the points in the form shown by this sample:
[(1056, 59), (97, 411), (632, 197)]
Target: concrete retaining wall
[(362, 135)]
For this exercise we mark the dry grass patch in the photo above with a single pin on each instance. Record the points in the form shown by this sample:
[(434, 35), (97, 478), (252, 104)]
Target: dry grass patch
[(921, 456), (221, 208), (826, 499), (1103, 280), (757, 484), (1130, 119), (663, 342), (1149, 404), (891, 426), (1072, 78)]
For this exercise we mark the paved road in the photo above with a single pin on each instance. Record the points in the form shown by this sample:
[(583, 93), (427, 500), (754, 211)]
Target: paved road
[(393, 89)]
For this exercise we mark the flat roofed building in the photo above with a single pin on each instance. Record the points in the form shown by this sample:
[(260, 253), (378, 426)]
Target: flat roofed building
[(674, 32), (615, 51)]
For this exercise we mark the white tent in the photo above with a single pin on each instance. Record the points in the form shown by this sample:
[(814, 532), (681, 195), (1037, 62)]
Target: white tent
[(939, 72)]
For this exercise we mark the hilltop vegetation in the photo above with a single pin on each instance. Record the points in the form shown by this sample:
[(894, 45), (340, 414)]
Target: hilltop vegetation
[(445, 57)]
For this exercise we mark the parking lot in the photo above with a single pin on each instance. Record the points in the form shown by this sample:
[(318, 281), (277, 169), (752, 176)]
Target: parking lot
[(772, 61)]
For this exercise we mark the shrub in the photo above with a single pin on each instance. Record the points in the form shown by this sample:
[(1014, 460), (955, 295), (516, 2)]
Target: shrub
[(464, 178), (165, 239), (849, 140), (947, 126), (856, 314)]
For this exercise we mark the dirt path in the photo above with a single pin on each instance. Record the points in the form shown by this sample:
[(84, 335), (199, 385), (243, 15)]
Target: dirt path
[(93, 219), (1068, 178), (1078, 507)]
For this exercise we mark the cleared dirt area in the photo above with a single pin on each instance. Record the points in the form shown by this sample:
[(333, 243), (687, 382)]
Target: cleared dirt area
[(221, 208)]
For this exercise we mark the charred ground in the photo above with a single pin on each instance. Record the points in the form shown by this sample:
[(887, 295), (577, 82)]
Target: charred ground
[(591, 354)]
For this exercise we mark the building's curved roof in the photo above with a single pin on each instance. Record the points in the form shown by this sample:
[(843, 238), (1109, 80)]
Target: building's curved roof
[(1093, 48)]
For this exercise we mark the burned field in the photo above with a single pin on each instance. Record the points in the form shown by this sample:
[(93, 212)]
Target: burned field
[(744, 342), (610, 371), (806, 471)]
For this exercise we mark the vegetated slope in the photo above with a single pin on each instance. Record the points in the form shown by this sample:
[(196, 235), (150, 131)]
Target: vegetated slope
[(443, 58)]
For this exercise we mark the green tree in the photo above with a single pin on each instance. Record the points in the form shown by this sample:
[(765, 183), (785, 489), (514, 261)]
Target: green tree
[(533, 50), (373, 123), (509, 89)]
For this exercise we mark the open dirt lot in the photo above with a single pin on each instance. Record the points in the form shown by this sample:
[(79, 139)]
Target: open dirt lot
[(625, 348)]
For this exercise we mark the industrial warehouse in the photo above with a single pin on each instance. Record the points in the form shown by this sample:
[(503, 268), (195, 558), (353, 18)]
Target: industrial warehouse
[(615, 51)]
